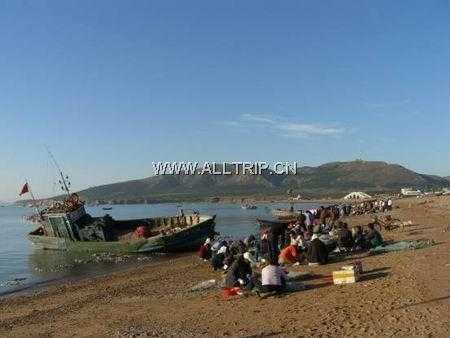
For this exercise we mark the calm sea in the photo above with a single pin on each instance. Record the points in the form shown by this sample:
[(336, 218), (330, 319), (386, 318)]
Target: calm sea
[(22, 266)]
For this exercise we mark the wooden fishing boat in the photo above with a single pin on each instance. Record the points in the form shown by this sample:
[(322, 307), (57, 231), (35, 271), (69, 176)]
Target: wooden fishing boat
[(264, 223), (286, 214), (67, 226)]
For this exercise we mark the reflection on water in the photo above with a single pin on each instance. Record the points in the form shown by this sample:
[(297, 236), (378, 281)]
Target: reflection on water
[(21, 265)]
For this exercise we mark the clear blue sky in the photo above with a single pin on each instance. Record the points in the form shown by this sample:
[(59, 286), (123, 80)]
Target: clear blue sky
[(111, 86)]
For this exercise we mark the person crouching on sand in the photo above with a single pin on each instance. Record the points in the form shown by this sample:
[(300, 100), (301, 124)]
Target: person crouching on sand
[(205, 251), (317, 253), (358, 239), (239, 274), (290, 254), (373, 237), (345, 238), (273, 278), (218, 257)]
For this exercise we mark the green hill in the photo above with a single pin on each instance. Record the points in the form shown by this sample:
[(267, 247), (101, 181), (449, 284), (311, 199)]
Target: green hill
[(331, 179)]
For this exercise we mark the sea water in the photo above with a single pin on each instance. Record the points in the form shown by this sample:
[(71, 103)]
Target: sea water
[(22, 266)]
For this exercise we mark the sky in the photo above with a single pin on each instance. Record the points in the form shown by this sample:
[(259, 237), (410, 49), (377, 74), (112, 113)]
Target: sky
[(112, 86)]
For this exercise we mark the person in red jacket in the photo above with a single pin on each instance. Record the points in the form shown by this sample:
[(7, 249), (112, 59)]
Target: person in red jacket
[(205, 252), (289, 254)]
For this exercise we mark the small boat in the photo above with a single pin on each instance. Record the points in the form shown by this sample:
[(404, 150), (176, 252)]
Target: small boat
[(264, 223), (107, 208), (286, 213), (66, 226), (249, 206)]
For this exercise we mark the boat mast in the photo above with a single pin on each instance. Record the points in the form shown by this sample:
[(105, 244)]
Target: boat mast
[(36, 208), (65, 184)]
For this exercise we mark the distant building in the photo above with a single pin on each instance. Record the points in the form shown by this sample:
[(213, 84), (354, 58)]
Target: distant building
[(410, 192), (357, 195)]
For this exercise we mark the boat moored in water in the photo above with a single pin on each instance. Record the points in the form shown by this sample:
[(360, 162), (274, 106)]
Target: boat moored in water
[(67, 226), (286, 214), (264, 223)]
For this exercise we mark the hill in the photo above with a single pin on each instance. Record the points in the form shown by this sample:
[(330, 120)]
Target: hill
[(331, 179), (341, 177)]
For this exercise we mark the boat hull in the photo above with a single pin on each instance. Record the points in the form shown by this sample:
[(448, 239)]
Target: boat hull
[(269, 223), (285, 214), (184, 240)]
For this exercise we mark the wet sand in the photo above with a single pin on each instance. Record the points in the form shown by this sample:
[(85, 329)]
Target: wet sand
[(404, 293)]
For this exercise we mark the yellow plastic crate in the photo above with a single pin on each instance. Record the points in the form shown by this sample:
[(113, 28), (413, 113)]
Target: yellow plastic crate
[(345, 277)]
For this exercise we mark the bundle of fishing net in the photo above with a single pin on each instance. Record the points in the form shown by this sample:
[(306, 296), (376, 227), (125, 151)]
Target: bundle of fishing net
[(403, 245)]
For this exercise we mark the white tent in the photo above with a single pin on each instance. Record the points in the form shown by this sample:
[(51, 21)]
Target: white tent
[(357, 195), (410, 192)]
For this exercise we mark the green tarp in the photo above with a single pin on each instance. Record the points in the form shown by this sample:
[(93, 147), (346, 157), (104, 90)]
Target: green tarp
[(403, 245)]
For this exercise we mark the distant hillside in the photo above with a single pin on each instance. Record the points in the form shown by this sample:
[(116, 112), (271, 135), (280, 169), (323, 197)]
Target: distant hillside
[(332, 179), (341, 177)]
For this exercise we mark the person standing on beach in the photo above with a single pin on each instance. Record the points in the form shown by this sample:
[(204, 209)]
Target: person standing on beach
[(276, 233)]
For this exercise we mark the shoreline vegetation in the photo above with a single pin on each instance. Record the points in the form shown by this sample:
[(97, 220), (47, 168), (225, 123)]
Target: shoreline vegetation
[(403, 293)]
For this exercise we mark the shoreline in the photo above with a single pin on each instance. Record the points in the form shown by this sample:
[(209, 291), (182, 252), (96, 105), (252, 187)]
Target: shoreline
[(129, 265), (33, 282), (265, 199), (403, 294), (221, 199)]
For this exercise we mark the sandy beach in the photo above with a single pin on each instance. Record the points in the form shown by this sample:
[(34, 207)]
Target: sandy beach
[(403, 293)]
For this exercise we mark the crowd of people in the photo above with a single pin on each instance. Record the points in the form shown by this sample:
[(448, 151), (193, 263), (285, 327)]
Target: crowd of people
[(375, 206), (308, 240)]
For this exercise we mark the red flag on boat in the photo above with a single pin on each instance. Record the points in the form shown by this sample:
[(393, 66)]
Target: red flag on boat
[(24, 189)]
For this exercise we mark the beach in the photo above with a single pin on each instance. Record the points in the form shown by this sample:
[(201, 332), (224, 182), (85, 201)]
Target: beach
[(403, 293)]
